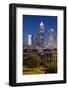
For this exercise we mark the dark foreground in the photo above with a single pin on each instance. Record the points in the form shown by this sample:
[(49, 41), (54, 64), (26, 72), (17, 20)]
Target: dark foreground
[(39, 62)]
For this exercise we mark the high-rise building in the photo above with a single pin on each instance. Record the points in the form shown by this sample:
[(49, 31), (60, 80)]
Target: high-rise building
[(41, 36), (51, 39), (30, 40), (55, 42)]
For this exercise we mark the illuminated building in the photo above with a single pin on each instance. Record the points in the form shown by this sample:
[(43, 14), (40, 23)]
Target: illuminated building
[(41, 36), (51, 39), (30, 41)]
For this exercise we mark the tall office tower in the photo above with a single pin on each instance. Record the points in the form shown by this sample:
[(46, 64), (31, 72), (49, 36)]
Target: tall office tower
[(55, 42), (30, 41), (41, 36), (51, 39)]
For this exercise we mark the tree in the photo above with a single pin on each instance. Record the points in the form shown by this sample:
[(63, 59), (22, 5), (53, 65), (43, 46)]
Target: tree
[(52, 67), (34, 60)]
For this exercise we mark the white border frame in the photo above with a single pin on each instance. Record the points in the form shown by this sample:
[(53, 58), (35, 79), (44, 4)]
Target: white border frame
[(42, 77)]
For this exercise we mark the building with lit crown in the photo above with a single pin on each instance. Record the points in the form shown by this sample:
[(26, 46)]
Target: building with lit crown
[(41, 36)]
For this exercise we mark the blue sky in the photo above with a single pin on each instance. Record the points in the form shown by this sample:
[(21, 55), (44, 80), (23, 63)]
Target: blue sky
[(31, 25)]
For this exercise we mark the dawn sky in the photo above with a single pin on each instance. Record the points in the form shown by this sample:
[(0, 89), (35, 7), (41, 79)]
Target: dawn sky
[(31, 25)]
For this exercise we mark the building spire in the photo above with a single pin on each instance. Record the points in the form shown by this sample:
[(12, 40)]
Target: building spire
[(41, 24)]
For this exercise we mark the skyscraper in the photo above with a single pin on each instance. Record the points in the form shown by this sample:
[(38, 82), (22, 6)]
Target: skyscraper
[(55, 42), (41, 36), (51, 38), (30, 40)]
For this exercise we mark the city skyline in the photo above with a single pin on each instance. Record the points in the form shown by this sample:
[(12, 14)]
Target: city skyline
[(32, 26), (39, 44)]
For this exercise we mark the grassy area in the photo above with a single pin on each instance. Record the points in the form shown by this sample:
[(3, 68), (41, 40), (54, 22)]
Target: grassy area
[(38, 70), (47, 68), (34, 64)]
